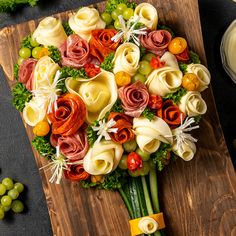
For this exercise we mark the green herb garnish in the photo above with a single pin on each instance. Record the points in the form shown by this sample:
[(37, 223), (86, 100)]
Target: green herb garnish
[(148, 113), (176, 97), (107, 63), (165, 27), (197, 119), (183, 67), (91, 134), (11, 5), (72, 72), (117, 107), (67, 28), (194, 58), (20, 96), (15, 71), (54, 53), (43, 146), (62, 86), (25, 43), (111, 5)]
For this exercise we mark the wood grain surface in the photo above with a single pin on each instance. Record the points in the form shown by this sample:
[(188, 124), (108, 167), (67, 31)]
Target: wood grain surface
[(197, 197)]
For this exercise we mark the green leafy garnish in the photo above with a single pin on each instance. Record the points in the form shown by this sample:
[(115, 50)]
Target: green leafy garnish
[(142, 51), (67, 28), (148, 113), (72, 72), (159, 157), (91, 134), (111, 5), (112, 181), (165, 27), (183, 67), (43, 146), (62, 86), (107, 63), (11, 5), (117, 107), (54, 53), (194, 58), (25, 43), (197, 119), (20, 96), (176, 97), (15, 71)]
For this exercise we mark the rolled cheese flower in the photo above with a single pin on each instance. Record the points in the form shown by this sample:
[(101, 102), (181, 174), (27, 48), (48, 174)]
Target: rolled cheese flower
[(149, 134), (186, 151), (170, 60), (202, 74), (98, 93), (148, 15), (34, 111), (44, 72), (126, 58), (192, 104), (50, 32), (164, 80), (84, 21), (103, 158), (148, 225)]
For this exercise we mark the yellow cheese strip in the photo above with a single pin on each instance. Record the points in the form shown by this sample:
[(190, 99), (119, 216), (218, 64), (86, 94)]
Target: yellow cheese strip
[(134, 223)]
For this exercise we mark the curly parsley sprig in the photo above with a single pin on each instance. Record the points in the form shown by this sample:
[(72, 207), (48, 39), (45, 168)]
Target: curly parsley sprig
[(54, 54), (107, 63), (176, 97), (72, 72)]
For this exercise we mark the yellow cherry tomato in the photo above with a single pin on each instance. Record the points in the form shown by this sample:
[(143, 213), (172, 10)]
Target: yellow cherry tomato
[(177, 45), (43, 52), (122, 78), (41, 129), (190, 82), (97, 178)]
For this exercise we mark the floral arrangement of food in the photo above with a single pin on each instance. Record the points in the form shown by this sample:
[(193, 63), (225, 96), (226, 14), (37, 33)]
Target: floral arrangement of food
[(112, 98)]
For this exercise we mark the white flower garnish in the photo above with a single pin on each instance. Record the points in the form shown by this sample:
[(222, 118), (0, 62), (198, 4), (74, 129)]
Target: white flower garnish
[(58, 164), (128, 32), (180, 134), (104, 129), (50, 92)]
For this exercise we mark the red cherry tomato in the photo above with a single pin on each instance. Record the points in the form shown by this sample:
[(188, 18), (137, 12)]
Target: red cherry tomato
[(134, 161), (155, 101)]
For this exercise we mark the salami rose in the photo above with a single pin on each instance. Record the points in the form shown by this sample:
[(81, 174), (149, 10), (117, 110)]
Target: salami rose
[(156, 41), (74, 146), (74, 52), (171, 114), (26, 72), (124, 128), (69, 116), (134, 98), (76, 173), (101, 44)]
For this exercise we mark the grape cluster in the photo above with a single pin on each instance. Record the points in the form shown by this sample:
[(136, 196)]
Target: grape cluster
[(9, 192)]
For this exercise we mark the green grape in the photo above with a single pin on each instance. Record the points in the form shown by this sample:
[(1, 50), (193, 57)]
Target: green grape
[(20, 60), (130, 146), (17, 206), (144, 155), (33, 42), (25, 53), (144, 170), (115, 14), (117, 24), (128, 13), (19, 187), (121, 7), (13, 193), (6, 208), (106, 18), (2, 214), (3, 189), (8, 183), (123, 162), (144, 68), (149, 56), (6, 200), (35, 52), (139, 77)]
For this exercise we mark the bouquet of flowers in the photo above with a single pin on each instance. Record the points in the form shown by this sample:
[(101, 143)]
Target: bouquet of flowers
[(112, 98)]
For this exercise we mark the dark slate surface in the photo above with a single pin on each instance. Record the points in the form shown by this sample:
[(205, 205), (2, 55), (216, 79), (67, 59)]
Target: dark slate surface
[(16, 157)]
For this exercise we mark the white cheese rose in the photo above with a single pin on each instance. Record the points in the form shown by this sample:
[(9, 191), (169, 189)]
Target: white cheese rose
[(84, 21), (103, 158), (164, 80), (149, 134), (148, 15), (126, 58), (50, 32), (170, 60), (98, 93), (202, 73), (192, 104)]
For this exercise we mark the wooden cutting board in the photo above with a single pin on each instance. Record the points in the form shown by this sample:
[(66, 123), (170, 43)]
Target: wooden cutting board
[(197, 197)]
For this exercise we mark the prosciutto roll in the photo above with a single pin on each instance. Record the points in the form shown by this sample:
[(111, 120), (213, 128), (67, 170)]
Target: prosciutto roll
[(74, 52)]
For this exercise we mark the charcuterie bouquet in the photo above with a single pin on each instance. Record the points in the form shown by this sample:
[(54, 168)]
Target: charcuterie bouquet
[(112, 98)]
